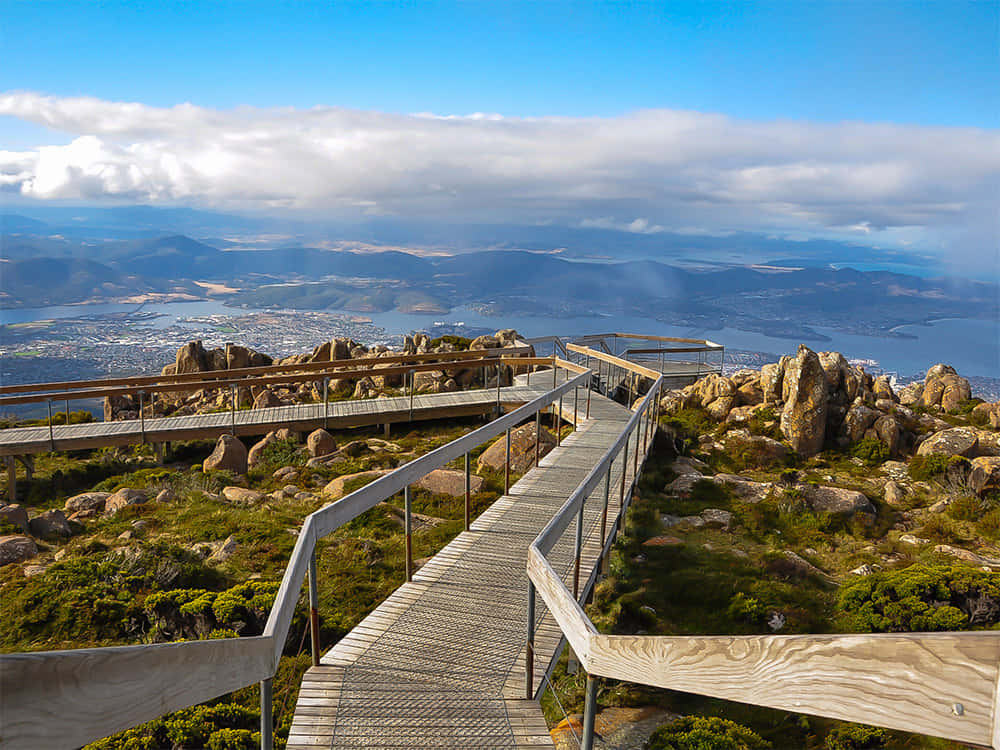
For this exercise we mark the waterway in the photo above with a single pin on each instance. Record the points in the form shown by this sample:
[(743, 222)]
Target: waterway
[(971, 346)]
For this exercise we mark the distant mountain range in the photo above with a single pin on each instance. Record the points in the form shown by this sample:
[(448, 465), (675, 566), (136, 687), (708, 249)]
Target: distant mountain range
[(43, 269)]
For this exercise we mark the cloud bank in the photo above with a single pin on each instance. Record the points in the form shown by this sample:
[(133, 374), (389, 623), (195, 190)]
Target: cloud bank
[(649, 171)]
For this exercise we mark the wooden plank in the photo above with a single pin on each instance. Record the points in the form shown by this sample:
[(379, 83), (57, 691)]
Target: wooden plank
[(913, 682), (69, 698)]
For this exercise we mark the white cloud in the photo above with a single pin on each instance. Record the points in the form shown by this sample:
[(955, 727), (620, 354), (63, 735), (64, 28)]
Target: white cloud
[(646, 172)]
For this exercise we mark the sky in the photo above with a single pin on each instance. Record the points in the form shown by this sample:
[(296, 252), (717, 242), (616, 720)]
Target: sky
[(877, 120)]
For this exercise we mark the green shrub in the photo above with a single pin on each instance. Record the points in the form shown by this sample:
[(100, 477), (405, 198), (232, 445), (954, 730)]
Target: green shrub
[(920, 598), (461, 343), (870, 450), (856, 737), (705, 733), (234, 739), (925, 468), (967, 508), (280, 453), (746, 608)]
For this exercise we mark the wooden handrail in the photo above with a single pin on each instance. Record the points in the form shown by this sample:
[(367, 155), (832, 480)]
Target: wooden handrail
[(246, 382), (611, 359), (69, 698), (940, 684), (213, 375)]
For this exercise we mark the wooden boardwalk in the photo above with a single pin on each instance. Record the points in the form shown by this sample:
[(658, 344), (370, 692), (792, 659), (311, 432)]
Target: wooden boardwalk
[(23, 441), (441, 662)]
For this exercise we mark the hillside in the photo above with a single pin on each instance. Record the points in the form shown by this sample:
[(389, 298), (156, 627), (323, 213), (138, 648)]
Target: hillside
[(797, 498)]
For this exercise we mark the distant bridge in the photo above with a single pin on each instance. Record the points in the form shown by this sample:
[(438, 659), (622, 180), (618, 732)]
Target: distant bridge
[(459, 654)]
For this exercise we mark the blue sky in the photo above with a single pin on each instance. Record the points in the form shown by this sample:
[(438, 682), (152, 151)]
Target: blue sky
[(875, 121), (912, 62)]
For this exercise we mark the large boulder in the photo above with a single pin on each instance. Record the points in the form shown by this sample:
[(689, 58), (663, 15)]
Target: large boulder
[(803, 418), (522, 450), (944, 388), (887, 430), (320, 443), (835, 500), (857, 421), (15, 515), (124, 497), (191, 357), (911, 394), (255, 455), (266, 399), (87, 501), (242, 495), (16, 548), (51, 524), (771, 380), (229, 455), (449, 482), (955, 441), (335, 489)]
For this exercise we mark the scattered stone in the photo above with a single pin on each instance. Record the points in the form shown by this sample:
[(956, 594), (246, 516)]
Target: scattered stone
[(15, 515), (776, 621), (266, 399), (286, 474), (449, 482), (984, 476), (229, 455), (686, 465), (16, 548), (320, 443), (801, 565), (835, 500), (242, 495), (286, 434), (122, 498), (940, 506), (717, 519), (866, 570), (745, 490), (86, 501), (166, 496), (224, 551), (894, 494), (964, 554), (34, 570), (916, 541)]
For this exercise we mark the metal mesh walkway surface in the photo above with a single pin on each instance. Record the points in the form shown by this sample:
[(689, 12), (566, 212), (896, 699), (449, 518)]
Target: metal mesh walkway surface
[(441, 662)]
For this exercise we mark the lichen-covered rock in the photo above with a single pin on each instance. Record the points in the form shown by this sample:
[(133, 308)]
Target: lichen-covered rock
[(449, 482), (320, 443), (887, 430), (771, 377), (335, 489), (911, 394), (229, 455), (882, 388), (266, 399), (255, 455), (86, 501), (955, 441), (857, 421), (944, 388), (242, 495), (51, 524), (803, 418), (522, 450), (124, 497), (745, 490), (836, 500), (985, 474), (894, 494), (16, 548)]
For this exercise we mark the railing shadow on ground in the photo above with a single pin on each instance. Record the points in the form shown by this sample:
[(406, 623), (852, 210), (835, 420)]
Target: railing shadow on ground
[(939, 684), (69, 698)]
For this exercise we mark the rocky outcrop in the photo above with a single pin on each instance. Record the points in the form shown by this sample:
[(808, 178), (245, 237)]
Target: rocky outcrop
[(984, 475), (522, 450), (803, 418), (229, 455), (835, 500), (86, 501), (16, 548), (944, 388), (956, 441)]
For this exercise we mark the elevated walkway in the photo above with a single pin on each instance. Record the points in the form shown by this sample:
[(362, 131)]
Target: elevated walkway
[(441, 663)]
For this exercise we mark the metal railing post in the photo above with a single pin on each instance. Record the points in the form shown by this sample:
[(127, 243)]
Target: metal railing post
[(313, 609), (408, 528), (266, 718), (468, 491), (142, 416), (506, 466), (635, 458), (559, 424), (232, 410), (607, 498), (589, 390), (529, 651), (589, 713), (538, 435), (326, 401), (578, 550), (576, 403), (498, 389), (621, 495), (554, 373), (52, 440), (67, 412), (413, 383)]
